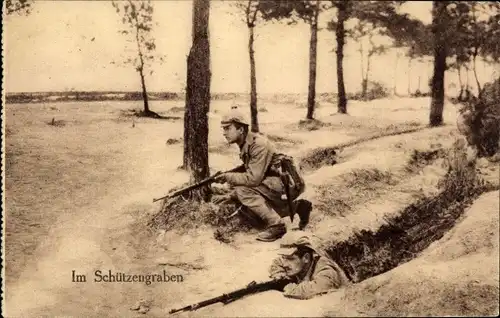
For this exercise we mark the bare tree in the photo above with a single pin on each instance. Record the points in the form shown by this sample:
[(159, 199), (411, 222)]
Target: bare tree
[(381, 14), (367, 30), (395, 82), (478, 40), (137, 16), (307, 11), (250, 8)]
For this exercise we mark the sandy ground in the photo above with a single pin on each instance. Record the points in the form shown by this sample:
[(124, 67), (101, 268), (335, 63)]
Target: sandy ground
[(77, 197)]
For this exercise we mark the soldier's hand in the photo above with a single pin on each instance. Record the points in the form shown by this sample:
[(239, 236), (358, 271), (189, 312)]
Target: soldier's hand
[(277, 269), (289, 290), (278, 275), (218, 199), (221, 178)]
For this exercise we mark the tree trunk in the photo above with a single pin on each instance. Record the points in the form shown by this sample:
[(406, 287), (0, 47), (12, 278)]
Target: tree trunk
[(187, 133), (409, 77), (141, 73), (313, 45), (439, 19), (363, 76), (461, 94), (342, 16), (253, 82), (198, 95), (365, 80), (394, 90), (144, 92), (364, 88), (474, 57)]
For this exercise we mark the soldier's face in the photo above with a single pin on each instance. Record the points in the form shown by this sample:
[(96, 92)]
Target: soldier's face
[(294, 264), (231, 133)]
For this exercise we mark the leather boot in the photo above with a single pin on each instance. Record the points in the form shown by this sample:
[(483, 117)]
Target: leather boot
[(272, 233), (303, 209)]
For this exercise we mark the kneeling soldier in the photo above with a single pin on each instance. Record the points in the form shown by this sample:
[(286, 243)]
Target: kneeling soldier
[(258, 187), (311, 271)]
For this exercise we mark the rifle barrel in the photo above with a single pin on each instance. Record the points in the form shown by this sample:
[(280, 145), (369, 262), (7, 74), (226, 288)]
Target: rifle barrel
[(250, 289), (196, 185), (186, 189)]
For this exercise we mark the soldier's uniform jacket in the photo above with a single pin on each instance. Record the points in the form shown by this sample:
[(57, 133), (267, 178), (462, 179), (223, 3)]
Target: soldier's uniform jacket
[(258, 155), (322, 276)]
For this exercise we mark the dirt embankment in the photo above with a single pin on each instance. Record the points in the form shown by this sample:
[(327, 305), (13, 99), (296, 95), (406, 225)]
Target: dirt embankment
[(456, 275)]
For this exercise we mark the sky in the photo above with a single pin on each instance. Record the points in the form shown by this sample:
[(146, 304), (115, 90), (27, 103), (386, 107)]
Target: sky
[(70, 45)]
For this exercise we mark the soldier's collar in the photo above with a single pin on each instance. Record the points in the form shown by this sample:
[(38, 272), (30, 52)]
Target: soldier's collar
[(312, 267), (248, 140)]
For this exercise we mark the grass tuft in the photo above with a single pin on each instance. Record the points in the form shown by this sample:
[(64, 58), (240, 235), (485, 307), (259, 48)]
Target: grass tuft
[(173, 141), (312, 124), (57, 123), (325, 156), (140, 113), (184, 215), (421, 158), (355, 187)]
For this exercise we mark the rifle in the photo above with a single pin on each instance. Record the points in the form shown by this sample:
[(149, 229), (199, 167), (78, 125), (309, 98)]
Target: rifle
[(251, 288), (285, 179), (206, 181)]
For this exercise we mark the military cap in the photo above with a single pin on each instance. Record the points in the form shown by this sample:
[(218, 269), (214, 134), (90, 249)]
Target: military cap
[(234, 115), (296, 239)]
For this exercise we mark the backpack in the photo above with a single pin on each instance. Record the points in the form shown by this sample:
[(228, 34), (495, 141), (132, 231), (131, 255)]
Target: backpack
[(290, 169)]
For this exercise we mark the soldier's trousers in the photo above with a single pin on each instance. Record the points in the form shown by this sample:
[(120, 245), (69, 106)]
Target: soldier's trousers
[(263, 203)]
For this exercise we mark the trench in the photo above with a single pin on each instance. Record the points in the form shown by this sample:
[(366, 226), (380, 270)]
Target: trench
[(369, 253), (190, 214)]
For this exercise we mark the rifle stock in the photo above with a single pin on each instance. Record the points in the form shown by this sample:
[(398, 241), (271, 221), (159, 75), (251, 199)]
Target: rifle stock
[(206, 181), (252, 288)]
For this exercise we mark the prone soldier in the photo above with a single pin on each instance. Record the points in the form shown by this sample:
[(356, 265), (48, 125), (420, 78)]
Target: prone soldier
[(305, 264)]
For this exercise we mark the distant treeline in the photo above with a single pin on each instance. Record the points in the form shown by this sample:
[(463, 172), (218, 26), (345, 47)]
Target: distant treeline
[(43, 97), (46, 97)]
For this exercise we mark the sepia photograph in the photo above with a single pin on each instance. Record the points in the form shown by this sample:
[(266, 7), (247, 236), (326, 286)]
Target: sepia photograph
[(250, 158)]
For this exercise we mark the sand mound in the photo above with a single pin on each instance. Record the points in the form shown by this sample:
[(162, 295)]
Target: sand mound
[(341, 196), (279, 140), (311, 124), (457, 275), (477, 233)]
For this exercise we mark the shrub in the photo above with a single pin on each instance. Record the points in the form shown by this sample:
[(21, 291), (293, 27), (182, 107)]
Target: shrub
[(376, 90), (418, 93), (479, 120)]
